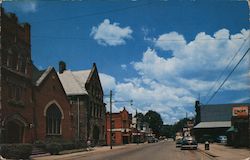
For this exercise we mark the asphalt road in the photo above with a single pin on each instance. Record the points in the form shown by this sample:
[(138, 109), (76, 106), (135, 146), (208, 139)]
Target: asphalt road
[(154, 151)]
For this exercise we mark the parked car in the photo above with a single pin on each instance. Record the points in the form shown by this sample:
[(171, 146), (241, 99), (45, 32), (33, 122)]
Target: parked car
[(189, 143), (178, 143), (206, 138), (152, 140), (221, 139)]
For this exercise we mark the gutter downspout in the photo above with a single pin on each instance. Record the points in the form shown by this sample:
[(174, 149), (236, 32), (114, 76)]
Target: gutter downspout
[(78, 118)]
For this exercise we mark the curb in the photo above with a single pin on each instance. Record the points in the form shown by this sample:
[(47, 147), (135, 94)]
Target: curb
[(207, 152)]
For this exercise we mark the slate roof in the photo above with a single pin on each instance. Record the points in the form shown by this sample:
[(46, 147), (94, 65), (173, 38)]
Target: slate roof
[(39, 75), (74, 81), (215, 124)]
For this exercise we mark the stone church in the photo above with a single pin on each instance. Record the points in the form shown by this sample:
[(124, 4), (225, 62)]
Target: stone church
[(41, 104), (85, 93)]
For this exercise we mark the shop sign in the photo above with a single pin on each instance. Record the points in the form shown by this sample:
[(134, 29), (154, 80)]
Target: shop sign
[(240, 111)]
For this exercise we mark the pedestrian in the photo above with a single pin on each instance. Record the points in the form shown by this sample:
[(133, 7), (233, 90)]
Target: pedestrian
[(88, 144), (1, 158)]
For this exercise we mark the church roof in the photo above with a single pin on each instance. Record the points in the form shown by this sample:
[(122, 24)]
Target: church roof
[(74, 81)]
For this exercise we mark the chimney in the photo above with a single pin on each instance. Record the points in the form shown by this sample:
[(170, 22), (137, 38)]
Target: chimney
[(62, 66)]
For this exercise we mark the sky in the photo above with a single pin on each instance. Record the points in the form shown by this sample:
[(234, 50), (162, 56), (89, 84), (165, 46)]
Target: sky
[(162, 54)]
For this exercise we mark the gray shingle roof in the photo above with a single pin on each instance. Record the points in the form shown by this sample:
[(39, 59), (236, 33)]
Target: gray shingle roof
[(39, 75), (74, 81)]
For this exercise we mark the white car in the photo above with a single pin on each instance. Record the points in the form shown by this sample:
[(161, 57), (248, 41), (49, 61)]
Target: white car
[(189, 143)]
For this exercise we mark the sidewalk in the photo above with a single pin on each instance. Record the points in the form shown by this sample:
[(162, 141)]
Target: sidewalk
[(222, 152), (93, 150)]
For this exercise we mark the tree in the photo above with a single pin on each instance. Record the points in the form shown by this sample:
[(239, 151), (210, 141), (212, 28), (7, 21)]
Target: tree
[(154, 120), (167, 131), (140, 117), (178, 126)]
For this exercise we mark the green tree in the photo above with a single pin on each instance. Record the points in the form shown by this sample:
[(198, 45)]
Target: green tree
[(167, 130), (178, 126), (140, 117), (155, 121)]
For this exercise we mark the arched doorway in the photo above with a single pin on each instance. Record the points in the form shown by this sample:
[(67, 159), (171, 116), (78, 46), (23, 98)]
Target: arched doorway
[(14, 132), (96, 132)]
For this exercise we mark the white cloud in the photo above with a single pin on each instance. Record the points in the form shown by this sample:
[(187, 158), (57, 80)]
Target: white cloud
[(28, 6), (170, 41), (171, 85), (108, 82), (124, 67), (111, 34)]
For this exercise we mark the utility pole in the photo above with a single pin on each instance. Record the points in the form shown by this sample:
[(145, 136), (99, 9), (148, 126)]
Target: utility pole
[(137, 130), (110, 117)]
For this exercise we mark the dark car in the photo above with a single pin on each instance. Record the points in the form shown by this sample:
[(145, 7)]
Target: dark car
[(221, 139), (206, 138), (189, 143), (152, 140)]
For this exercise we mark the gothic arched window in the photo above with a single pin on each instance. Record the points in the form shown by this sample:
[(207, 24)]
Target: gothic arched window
[(53, 120)]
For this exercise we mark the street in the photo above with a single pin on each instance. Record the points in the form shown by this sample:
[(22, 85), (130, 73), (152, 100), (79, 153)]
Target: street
[(163, 150)]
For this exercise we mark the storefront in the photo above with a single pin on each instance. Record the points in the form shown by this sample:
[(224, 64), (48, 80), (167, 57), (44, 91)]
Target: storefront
[(239, 133)]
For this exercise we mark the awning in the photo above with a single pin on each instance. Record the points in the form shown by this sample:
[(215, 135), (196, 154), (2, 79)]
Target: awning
[(232, 129), (215, 124)]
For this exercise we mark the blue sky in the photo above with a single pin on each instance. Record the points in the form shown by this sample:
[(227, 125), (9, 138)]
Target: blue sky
[(161, 54)]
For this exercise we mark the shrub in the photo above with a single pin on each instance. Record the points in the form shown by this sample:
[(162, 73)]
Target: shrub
[(54, 148), (16, 151), (68, 145), (39, 144)]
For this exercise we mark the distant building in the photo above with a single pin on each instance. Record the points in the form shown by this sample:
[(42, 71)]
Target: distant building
[(140, 131), (121, 132), (85, 93), (33, 103), (215, 119)]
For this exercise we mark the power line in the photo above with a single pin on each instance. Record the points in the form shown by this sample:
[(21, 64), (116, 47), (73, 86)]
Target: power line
[(94, 14), (228, 76), (219, 77), (72, 37)]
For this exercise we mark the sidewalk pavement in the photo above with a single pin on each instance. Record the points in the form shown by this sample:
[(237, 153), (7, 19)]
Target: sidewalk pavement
[(92, 150), (222, 152)]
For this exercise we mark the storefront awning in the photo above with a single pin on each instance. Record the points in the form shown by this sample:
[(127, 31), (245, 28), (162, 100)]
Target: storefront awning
[(232, 129), (215, 124)]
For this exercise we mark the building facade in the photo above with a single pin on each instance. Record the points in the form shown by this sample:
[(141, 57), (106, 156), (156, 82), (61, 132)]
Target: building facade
[(239, 133), (140, 131), (218, 119), (85, 93), (33, 103), (119, 129), (15, 80)]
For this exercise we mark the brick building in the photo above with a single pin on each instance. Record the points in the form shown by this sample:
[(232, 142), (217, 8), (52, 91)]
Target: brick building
[(84, 90), (121, 132), (33, 103)]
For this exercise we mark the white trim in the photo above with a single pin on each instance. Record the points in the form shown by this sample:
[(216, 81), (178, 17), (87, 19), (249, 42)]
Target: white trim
[(120, 129), (49, 104)]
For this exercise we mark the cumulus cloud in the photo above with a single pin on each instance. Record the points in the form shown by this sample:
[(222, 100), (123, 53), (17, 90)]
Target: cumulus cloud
[(109, 34), (108, 82), (170, 85), (170, 41)]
